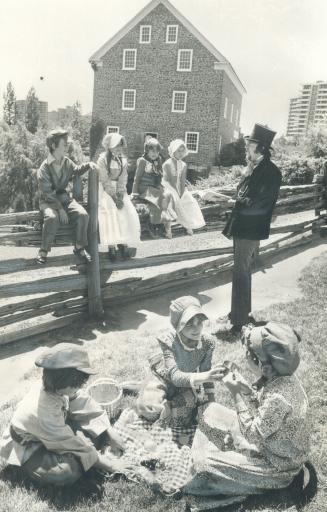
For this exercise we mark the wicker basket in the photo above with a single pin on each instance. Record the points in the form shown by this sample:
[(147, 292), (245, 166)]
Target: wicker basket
[(107, 393)]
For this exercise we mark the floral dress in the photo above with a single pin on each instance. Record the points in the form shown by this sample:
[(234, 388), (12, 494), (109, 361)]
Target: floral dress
[(271, 438), (148, 186), (172, 379)]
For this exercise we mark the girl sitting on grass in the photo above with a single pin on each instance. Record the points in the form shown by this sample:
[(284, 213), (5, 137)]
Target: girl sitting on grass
[(56, 431), (269, 426), (182, 377)]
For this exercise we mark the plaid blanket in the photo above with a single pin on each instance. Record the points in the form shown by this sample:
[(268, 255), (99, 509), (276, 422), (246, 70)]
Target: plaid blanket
[(165, 452)]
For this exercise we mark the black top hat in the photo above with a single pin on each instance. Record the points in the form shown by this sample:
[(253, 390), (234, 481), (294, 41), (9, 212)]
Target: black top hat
[(262, 135)]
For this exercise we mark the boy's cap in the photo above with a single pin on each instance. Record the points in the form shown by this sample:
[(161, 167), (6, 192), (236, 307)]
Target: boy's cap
[(65, 355), (57, 132), (184, 309)]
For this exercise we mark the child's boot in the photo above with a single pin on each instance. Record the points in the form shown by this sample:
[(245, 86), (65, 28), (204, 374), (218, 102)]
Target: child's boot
[(168, 230)]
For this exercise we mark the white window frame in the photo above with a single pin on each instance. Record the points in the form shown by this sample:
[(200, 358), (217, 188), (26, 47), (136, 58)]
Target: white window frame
[(226, 108), (112, 129), (197, 141), (179, 59), (150, 134), (232, 113), (123, 100), (173, 103), (237, 120), (124, 59), (141, 34), (167, 32)]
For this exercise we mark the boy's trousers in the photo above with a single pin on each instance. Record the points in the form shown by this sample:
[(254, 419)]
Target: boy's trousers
[(77, 215)]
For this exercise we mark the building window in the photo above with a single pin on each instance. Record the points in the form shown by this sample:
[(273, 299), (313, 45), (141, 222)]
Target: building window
[(150, 135), (237, 119), (112, 129), (192, 141), (232, 113), (129, 60), (145, 34), (185, 58), (129, 96), (179, 101), (171, 34), (226, 108)]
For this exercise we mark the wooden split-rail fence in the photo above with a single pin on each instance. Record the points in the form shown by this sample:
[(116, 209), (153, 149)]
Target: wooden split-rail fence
[(32, 302)]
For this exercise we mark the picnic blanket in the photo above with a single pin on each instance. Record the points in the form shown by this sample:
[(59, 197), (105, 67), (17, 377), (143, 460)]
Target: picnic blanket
[(163, 451)]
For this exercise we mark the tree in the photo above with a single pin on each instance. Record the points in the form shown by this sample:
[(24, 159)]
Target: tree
[(9, 105), (97, 132), (76, 116), (21, 155), (315, 142), (233, 153), (80, 125), (32, 114)]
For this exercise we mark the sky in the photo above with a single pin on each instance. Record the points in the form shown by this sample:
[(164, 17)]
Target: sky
[(274, 46)]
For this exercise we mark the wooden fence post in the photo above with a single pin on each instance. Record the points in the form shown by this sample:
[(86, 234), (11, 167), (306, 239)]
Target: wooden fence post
[(93, 269)]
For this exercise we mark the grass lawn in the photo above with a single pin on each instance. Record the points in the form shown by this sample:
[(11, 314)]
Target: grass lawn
[(125, 358)]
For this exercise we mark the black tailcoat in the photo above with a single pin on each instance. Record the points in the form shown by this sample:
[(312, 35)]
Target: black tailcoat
[(255, 200)]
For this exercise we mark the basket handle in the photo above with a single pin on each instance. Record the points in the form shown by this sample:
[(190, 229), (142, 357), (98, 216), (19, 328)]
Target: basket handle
[(105, 380)]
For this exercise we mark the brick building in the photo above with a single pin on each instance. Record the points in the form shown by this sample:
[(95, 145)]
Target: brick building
[(159, 75)]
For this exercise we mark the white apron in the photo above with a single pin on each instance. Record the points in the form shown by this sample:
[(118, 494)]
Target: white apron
[(118, 226), (188, 211)]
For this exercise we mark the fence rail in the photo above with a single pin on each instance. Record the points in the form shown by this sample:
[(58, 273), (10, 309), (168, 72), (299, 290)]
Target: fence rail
[(29, 307)]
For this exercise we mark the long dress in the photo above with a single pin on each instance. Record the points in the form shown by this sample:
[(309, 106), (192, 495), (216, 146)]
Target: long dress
[(186, 207), (116, 226), (147, 185), (272, 443)]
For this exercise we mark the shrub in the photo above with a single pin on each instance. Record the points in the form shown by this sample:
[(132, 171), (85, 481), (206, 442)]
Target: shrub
[(220, 177), (299, 170)]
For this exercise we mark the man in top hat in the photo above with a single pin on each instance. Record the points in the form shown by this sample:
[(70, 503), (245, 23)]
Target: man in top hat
[(56, 204), (250, 219)]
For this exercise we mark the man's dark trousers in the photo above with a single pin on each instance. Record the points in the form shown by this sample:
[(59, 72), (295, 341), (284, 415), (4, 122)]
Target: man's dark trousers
[(244, 252)]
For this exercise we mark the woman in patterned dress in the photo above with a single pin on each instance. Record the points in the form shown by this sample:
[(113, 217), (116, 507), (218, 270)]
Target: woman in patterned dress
[(269, 428), (148, 187), (119, 223)]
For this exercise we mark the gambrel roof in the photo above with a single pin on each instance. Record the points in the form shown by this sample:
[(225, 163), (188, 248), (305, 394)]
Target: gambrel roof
[(222, 63)]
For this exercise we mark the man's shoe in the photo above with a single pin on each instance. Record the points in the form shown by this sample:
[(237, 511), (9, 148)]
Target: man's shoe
[(42, 257), (83, 255)]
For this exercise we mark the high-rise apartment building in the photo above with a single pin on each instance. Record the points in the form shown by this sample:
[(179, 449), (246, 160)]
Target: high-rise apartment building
[(308, 109)]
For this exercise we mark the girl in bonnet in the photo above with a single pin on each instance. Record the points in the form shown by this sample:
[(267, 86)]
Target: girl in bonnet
[(148, 187), (182, 374), (119, 223), (187, 210), (268, 423)]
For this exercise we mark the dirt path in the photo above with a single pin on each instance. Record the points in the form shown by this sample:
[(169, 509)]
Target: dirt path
[(276, 283)]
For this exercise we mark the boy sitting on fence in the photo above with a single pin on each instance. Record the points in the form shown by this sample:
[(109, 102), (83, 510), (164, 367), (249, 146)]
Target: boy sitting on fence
[(57, 430), (56, 204)]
